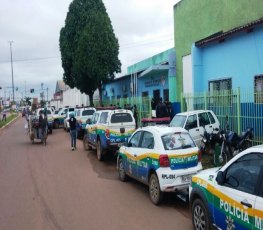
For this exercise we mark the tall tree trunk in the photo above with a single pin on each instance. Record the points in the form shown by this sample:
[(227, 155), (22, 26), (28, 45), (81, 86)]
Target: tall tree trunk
[(91, 100)]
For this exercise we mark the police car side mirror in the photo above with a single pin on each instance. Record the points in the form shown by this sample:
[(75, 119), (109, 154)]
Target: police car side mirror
[(220, 178)]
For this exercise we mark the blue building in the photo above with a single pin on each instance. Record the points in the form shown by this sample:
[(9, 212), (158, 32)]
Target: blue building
[(229, 60), (148, 78), (230, 65)]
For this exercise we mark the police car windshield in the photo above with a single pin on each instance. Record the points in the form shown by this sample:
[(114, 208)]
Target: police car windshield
[(87, 112), (180, 140), (121, 117), (178, 121)]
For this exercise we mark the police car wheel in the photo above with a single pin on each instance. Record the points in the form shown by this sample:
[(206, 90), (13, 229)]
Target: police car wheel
[(156, 195), (99, 151), (121, 170), (56, 124), (200, 216)]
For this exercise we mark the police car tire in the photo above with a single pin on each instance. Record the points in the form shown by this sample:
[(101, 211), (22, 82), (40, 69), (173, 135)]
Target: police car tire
[(156, 195), (121, 171), (100, 151), (86, 144), (200, 213), (56, 124)]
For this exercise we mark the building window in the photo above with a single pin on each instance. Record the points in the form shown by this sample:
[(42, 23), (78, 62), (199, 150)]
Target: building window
[(220, 91), (258, 84)]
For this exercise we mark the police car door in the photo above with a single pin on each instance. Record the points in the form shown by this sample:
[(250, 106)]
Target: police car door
[(132, 151), (259, 204), (143, 155), (92, 128), (234, 200)]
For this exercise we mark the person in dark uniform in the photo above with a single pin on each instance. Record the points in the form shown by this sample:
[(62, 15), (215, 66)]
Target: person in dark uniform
[(42, 124), (161, 110), (73, 130)]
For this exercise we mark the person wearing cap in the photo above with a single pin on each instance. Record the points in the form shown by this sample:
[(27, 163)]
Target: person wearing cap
[(73, 130)]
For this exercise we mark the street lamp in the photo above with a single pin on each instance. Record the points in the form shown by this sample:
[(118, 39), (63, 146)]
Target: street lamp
[(10, 42)]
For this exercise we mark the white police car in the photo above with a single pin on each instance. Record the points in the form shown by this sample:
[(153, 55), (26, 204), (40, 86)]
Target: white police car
[(162, 157), (230, 197)]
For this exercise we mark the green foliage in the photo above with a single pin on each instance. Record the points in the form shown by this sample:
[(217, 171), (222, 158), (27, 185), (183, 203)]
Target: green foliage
[(42, 103), (28, 100), (89, 48)]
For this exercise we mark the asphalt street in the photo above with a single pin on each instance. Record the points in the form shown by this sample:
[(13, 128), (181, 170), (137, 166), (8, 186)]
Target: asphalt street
[(53, 188)]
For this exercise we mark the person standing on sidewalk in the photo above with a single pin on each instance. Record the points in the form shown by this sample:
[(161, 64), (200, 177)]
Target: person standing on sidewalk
[(73, 130), (4, 115)]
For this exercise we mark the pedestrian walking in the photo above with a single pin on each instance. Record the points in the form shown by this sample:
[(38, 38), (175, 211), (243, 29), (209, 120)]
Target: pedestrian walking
[(135, 115), (42, 121), (4, 115), (73, 130)]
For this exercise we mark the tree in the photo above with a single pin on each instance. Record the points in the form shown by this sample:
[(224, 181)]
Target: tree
[(89, 48), (42, 103), (28, 100)]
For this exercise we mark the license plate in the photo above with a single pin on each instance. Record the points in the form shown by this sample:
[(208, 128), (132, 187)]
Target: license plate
[(186, 178)]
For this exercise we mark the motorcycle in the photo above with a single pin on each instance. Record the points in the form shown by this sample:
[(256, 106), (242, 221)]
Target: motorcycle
[(232, 143), (209, 142)]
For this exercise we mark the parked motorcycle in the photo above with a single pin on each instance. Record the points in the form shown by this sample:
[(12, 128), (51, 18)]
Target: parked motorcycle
[(232, 143), (209, 142)]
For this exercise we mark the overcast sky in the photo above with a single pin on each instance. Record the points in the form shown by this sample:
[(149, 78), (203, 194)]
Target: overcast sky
[(143, 28)]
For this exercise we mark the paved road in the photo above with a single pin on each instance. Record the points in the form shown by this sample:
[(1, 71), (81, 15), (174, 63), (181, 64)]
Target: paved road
[(50, 187)]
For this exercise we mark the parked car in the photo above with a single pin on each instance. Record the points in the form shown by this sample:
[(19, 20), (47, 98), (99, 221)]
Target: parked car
[(82, 115), (162, 157), (50, 118), (196, 122), (60, 117), (230, 197), (107, 129)]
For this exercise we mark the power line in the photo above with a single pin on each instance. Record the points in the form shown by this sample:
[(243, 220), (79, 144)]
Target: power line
[(32, 59), (149, 40), (125, 46)]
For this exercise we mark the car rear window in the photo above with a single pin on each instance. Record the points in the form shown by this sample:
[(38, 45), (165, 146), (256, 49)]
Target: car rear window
[(178, 121), (88, 112), (121, 117), (179, 140)]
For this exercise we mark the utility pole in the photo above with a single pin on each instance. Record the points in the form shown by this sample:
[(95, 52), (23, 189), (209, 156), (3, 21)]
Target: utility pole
[(47, 95), (10, 42)]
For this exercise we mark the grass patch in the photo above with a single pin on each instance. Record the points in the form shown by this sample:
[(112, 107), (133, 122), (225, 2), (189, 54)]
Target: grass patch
[(8, 119)]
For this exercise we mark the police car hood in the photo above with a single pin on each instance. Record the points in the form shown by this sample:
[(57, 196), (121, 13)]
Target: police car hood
[(208, 174)]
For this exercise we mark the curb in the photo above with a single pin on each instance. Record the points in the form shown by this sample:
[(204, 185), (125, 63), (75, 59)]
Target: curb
[(10, 122)]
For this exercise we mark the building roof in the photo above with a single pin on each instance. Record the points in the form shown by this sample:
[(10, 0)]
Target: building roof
[(61, 86), (154, 70), (221, 36)]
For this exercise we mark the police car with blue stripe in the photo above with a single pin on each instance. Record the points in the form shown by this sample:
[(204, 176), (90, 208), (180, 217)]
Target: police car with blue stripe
[(164, 158)]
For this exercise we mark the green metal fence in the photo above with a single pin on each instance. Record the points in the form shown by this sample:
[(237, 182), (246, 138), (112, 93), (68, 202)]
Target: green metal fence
[(143, 105), (244, 108)]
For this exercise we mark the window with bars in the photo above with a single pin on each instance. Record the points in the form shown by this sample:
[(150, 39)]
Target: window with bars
[(258, 89), (220, 91)]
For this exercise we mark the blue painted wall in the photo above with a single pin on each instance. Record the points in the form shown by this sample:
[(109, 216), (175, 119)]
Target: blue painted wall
[(157, 81), (239, 57), (121, 88)]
